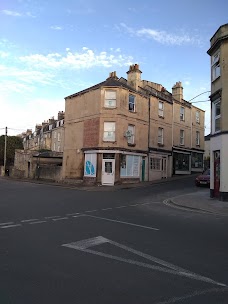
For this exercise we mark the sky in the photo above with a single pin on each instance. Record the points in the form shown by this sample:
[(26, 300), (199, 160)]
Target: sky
[(52, 49)]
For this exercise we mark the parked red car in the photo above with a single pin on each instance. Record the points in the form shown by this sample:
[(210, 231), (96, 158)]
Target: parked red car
[(203, 179)]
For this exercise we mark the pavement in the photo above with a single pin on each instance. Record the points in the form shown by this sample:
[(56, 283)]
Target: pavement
[(198, 201)]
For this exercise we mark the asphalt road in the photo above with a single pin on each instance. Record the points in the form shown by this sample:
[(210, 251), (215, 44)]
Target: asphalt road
[(60, 245)]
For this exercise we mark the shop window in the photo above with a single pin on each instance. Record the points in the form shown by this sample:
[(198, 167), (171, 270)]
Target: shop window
[(155, 163), (129, 165), (197, 160), (181, 162)]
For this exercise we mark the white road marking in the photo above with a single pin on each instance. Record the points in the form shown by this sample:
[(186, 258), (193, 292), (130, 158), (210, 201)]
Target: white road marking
[(91, 210), (75, 213), (51, 217), (83, 245), (121, 222), (78, 215), (60, 218), (107, 209), (120, 207), (194, 294), (10, 226), (7, 223), (134, 205), (38, 222), (30, 220)]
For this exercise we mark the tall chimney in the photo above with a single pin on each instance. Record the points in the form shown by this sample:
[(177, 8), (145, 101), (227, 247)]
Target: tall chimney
[(134, 76), (61, 115), (177, 91)]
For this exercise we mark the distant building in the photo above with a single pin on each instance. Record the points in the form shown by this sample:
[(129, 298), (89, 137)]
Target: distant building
[(219, 113)]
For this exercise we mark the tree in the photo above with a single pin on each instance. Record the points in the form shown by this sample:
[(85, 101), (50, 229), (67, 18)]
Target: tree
[(13, 143)]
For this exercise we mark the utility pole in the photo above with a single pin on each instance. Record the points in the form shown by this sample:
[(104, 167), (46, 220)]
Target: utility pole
[(4, 166)]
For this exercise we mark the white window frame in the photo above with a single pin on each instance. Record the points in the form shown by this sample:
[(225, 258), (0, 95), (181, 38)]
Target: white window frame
[(160, 135), (215, 66), (55, 134), (182, 137), (182, 113), (155, 163), (197, 138), (216, 117), (59, 135), (198, 117), (109, 131), (131, 139), (54, 146), (110, 99), (131, 105), (161, 108)]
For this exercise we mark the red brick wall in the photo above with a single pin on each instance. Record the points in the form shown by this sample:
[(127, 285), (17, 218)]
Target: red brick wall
[(91, 132)]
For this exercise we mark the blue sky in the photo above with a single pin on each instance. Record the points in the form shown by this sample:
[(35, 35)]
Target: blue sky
[(51, 49)]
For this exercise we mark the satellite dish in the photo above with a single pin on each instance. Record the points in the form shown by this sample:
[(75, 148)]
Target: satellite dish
[(128, 134)]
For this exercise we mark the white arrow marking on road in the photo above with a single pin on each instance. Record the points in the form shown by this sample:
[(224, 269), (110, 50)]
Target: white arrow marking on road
[(83, 245)]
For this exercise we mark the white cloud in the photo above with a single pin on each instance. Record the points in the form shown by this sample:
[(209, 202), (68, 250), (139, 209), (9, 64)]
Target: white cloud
[(11, 13), (161, 36), (56, 27), (3, 54), (17, 119), (17, 14), (15, 78), (187, 82), (79, 60)]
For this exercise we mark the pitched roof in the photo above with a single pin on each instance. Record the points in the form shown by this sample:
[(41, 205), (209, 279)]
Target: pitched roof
[(109, 82)]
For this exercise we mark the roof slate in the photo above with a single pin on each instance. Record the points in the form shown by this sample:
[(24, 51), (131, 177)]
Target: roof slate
[(109, 82)]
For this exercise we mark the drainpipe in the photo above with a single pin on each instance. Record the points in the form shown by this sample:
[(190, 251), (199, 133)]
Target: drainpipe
[(148, 165)]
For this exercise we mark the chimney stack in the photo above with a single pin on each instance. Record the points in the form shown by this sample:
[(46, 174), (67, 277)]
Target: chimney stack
[(177, 91), (134, 76), (61, 115)]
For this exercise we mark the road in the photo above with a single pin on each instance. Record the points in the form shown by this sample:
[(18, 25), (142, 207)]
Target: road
[(62, 245)]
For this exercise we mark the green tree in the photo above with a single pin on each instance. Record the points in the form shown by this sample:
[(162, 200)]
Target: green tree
[(13, 142)]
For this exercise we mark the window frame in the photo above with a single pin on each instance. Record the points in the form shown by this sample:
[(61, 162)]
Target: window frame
[(131, 140), (160, 109), (106, 105), (181, 137), (198, 117), (161, 136), (155, 163), (216, 117), (112, 138), (131, 103), (182, 115), (197, 138), (215, 66)]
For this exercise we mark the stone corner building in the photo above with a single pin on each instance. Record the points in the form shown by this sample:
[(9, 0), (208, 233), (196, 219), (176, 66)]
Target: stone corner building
[(131, 130)]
